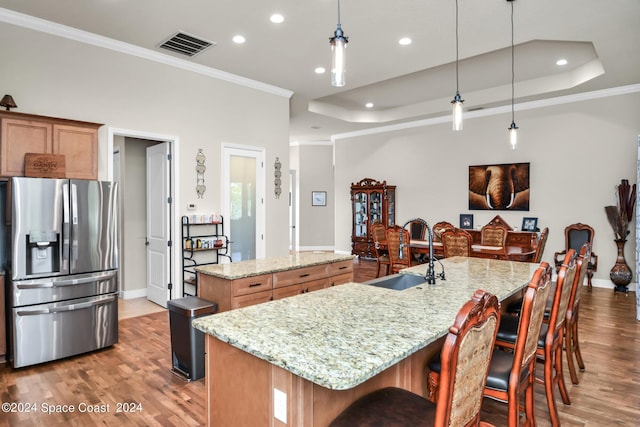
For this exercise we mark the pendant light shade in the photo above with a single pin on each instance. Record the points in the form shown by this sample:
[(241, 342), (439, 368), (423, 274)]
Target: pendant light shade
[(338, 58), (513, 129), (457, 112), (457, 99), (513, 135)]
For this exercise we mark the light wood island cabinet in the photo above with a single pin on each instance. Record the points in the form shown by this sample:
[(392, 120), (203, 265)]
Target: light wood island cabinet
[(230, 292), (26, 133)]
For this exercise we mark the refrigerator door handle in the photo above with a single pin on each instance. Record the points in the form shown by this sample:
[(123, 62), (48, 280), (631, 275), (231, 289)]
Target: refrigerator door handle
[(73, 255), (57, 283), (32, 312), (69, 307), (65, 227)]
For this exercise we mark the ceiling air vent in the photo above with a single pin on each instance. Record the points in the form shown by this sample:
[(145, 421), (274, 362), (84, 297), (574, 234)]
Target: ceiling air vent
[(186, 44)]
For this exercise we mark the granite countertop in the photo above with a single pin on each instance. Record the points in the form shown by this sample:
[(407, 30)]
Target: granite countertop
[(341, 336), (255, 267)]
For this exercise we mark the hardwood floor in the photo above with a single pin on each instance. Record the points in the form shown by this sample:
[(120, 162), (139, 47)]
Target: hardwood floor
[(138, 371)]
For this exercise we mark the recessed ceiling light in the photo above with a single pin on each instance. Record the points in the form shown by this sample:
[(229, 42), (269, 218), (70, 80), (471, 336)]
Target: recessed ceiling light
[(562, 62), (276, 18), (404, 41), (320, 70), (369, 105), (239, 39)]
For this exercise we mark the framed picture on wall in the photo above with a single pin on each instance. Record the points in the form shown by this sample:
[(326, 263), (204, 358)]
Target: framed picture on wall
[(466, 221), (529, 224), (318, 198)]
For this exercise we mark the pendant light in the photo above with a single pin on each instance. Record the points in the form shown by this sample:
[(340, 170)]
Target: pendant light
[(513, 129), (457, 99), (338, 46)]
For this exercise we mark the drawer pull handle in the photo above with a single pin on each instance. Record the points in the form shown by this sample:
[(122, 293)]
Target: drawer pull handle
[(304, 275), (253, 285), (343, 267)]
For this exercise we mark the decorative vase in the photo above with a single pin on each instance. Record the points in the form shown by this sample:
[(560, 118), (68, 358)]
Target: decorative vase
[(620, 273)]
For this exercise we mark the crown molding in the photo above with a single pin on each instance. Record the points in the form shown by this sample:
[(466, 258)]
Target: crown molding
[(44, 26)]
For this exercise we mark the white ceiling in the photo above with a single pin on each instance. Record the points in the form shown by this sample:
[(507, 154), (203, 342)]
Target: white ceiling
[(600, 39)]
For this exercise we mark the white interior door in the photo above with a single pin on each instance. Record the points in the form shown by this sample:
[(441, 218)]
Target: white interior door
[(158, 227), (293, 211), (243, 190)]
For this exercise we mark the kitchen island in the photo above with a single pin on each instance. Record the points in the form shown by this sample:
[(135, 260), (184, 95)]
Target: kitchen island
[(300, 361), (244, 283)]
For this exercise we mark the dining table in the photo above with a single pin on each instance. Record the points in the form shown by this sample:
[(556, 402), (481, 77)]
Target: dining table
[(509, 253)]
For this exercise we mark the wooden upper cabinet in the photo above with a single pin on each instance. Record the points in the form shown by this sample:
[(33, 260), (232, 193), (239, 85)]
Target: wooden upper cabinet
[(79, 145), (26, 133), (20, 137)]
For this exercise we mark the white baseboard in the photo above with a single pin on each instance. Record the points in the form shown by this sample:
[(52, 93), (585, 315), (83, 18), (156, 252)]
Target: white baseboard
[(316, 248), (135, 293), (607, 284)]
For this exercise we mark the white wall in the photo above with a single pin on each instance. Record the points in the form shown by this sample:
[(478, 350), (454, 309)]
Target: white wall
[(316, 223), (578, 153), (53, 76)]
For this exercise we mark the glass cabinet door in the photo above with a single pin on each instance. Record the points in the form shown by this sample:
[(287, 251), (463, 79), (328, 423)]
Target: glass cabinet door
[(375, 207), (360, 213), (391, 208)]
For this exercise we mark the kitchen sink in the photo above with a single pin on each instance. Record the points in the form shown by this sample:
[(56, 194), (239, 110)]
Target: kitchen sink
[(397, 281)]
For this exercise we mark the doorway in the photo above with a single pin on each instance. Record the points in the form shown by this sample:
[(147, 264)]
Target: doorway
[(146, 260), (243, 192)]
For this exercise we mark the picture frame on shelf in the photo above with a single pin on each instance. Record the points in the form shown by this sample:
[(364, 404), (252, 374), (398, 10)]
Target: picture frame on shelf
[(318, 198), (529, 223), (466, 221)]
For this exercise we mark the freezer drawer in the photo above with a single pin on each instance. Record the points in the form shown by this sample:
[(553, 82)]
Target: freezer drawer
[(46, 332), (52, 289)]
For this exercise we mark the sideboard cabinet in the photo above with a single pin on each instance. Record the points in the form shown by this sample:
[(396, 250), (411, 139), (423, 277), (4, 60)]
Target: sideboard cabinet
[(27, 133), (372, 202)]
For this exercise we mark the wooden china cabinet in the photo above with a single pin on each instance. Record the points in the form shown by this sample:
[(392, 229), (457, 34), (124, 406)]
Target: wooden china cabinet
[(372, 202)]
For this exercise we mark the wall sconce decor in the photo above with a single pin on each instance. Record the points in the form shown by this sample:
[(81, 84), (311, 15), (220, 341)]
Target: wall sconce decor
[(200, 168), (8, 102), (278, 174)]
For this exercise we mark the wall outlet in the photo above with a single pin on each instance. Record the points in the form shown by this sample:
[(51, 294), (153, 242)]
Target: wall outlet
[(280, 405), (191, 207)]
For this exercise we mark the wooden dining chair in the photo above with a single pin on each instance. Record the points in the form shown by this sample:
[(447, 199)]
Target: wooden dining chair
[(439, 228), (571, 341), (550, 339), (493, 235), (456, 242), (466, 355), (379, 233), (511, 373), (417, 230), (540, 245), (511, 376), (393, 244), (576, 235)]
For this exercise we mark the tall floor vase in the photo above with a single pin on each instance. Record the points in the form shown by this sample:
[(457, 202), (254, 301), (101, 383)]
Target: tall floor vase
[(620, 274)]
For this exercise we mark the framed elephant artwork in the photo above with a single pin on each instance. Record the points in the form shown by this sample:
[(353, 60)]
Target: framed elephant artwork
[(502, 187)]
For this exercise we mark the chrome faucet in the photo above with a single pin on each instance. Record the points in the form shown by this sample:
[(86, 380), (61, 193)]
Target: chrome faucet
[(430, 275)]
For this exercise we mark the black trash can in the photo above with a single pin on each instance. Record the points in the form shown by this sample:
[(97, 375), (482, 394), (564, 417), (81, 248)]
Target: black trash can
[(187, 343)]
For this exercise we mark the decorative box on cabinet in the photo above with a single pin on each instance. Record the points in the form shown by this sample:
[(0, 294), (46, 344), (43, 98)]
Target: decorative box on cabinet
[(26, 133), (372, 202)]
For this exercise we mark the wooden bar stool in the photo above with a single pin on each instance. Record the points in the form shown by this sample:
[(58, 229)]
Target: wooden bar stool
[(466, 354)]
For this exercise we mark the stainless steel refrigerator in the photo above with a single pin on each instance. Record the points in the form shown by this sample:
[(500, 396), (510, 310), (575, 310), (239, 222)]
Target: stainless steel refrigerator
[(64, 261)]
